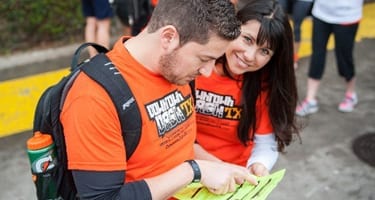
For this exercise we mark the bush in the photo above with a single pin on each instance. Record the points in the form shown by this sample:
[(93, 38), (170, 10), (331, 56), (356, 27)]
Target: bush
[(30, 23)]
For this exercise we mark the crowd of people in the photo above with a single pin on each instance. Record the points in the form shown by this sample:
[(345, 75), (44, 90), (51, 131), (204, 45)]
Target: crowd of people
[(240, 57)]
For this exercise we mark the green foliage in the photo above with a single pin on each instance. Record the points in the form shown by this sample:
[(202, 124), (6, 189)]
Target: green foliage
[(30, 22)]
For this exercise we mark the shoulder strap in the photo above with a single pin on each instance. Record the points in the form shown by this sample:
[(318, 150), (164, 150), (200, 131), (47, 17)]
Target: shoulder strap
[(101, 69), (77, 54)]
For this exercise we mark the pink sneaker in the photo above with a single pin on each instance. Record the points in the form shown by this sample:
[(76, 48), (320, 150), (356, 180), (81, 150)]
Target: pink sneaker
[(307, 107), (348, 104)]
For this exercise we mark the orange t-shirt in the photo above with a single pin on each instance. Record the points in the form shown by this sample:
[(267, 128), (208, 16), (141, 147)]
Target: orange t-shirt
[(218, 112), (92, 128)]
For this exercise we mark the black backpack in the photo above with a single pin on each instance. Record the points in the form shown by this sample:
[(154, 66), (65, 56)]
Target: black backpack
[(47, 118)]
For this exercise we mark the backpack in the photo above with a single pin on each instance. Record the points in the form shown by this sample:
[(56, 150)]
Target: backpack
[(47, 119)]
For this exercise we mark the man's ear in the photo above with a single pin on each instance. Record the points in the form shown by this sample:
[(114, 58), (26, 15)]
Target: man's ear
[(170, 39)]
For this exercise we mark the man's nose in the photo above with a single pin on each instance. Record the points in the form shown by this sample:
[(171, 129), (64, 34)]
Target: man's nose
[(206, 69)]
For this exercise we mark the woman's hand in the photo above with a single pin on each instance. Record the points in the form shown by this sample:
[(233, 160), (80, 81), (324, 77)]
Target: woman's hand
[(258, 169)]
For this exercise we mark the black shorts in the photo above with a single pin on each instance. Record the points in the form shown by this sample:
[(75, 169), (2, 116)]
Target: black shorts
[(101, 9)]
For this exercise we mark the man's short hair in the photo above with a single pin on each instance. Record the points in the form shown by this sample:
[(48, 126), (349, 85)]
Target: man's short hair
[(195, 20)]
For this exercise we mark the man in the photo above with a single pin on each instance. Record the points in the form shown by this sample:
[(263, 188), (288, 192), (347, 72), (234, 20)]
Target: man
[(182, 40)]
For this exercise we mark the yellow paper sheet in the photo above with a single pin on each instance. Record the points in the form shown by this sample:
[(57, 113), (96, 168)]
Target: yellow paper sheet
[(244, 191)]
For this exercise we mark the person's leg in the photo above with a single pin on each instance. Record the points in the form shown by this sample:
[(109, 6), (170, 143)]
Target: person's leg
[(103, 32), (103, 14), (320, 36), (90, 26), (321, 33), (90, 33), (344, 46), (299, 11)]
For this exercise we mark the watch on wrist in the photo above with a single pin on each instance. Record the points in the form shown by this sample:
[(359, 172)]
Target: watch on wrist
[(197, 172)]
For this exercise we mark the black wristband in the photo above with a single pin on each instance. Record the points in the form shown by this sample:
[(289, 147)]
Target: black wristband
[(196, 170)]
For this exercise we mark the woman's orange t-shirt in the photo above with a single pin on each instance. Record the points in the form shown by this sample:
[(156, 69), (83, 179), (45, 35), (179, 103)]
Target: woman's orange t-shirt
[(218, 112), (92, 128)]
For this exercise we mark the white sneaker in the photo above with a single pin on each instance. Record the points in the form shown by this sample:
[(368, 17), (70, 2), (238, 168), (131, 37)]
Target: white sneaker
[(307, 108), (348, 103)]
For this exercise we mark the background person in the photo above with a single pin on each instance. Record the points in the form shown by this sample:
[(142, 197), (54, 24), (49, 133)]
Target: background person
[(245, 109), (98, 14), (299, 10), (340, 18)]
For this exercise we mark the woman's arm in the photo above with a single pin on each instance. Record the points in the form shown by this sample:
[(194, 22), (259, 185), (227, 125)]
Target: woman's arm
[(264, 154)]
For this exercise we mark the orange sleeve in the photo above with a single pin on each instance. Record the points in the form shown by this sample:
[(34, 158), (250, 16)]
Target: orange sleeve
[(93, 126)]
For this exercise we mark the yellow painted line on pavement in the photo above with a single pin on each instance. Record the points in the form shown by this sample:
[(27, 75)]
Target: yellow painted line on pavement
[(18, 97)]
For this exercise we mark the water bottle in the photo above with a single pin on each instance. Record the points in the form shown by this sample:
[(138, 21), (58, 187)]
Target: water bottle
[(42, 155)]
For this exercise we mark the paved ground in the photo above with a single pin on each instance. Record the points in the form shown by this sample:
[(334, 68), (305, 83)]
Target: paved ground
[(323, 166)]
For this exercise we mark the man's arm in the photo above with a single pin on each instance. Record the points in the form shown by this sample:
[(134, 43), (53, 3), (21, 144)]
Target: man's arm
[(201, 153), (219, 178), (108, 185)]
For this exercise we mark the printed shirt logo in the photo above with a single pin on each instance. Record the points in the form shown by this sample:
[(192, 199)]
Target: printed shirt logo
[(220, 106), (170, 111)]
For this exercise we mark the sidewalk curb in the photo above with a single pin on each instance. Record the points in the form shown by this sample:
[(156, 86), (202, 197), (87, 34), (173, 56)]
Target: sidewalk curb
[(34, 56)]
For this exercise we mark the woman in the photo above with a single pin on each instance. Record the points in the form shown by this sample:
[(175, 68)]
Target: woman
[(245, 109), (341, 19)]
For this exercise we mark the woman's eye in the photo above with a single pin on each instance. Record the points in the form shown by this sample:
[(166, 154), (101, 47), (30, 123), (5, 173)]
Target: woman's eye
[(265, 52)]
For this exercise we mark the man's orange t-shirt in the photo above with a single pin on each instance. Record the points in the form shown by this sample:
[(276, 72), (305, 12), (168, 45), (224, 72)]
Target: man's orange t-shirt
[(218, 112), (92, 129)]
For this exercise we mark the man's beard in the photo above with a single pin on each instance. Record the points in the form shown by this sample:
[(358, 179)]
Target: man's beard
[(168, 64)]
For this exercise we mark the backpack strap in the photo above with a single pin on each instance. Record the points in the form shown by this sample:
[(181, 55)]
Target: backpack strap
[(101, 69), (77, 53)]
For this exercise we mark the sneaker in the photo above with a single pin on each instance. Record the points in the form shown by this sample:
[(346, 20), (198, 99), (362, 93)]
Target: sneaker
[(307, 107), (348, 104)]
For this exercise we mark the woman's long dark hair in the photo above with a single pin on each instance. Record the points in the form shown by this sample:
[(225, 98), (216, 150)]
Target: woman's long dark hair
[(277, 76)]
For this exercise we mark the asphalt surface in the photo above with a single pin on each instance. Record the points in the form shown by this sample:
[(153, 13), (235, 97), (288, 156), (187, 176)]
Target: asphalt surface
[(322, 166)]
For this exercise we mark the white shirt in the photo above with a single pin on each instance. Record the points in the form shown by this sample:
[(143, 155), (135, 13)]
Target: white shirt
[(338, 11)]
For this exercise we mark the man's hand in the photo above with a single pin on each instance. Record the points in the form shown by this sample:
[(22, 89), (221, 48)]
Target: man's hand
[(221, 178)]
